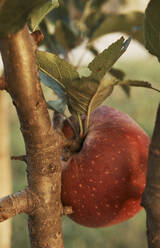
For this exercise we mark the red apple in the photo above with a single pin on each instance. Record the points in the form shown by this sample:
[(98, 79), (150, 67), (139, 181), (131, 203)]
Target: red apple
[(105, 180)]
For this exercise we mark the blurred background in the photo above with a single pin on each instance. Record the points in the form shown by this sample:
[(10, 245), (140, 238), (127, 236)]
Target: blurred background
[(142, 104)]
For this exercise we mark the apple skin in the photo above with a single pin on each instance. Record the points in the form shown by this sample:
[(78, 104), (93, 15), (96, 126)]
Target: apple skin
[(104, 182)]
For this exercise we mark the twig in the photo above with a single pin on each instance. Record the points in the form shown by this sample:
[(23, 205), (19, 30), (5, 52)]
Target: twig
[(21, 158), (67, 210), (151, 196), (14, 204), (37, 36)]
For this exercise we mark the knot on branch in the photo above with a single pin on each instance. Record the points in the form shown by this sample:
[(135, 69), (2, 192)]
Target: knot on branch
[(67, 210)]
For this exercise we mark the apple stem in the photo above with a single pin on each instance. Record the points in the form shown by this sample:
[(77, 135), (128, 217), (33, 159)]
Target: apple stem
[(72, 126), (58, 120)]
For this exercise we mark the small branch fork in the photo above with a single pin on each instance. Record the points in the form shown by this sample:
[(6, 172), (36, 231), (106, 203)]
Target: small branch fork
[(22, 202), (151, 196)]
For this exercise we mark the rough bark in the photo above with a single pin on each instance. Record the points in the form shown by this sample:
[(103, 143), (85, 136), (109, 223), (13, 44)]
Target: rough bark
[(20, 202), (43, 144), (151, 196), (5, 167)]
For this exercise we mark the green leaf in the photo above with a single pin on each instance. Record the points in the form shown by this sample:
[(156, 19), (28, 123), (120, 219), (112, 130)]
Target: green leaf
[(79, 93), (56, 68), (38, 14), (59, 105), (83, 71), (152, 28), (52, 84), (15, 13), (86, 94), (103, 90), (98, 3), (119, 74), (64, 36), (126, 89), (130, 24), (105, 60)]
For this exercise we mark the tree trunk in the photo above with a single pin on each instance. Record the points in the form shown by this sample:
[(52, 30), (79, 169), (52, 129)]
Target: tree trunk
[(5, 168), (41, 200)]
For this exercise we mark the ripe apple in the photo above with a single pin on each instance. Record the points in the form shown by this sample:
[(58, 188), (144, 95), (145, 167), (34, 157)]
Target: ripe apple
[(104, 181)]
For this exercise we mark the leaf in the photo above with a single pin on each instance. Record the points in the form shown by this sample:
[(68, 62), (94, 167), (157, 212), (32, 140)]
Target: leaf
[(119, 74), (85, 94), (79, 93), (105, 60), (126, 89), (103, 90), (59, 105), (64, 36), (52, 84), (130, 24), (56, 68), (15, 13), (98, 3), (152, 28), (38, 14), (83, 71)]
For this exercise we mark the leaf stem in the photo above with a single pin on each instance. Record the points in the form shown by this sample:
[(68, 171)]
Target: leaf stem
[(80, 125), (87, 123), (155, 89)]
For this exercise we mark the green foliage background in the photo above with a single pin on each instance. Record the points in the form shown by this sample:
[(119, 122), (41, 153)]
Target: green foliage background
[(142, 107)]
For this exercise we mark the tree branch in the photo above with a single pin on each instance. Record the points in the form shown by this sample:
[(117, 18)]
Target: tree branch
[(3, 84), (37, 36), (151, 196), (43, 144), (17, 203)]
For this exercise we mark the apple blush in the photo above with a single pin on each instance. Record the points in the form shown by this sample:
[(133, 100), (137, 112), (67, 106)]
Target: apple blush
[(104, 181)]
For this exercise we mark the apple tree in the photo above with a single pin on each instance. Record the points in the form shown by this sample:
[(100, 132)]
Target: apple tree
[(54, 147)]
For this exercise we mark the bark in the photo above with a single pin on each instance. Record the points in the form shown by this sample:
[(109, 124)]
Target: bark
[(151, 196), (3, 84), (21, 202), (5, 167), (43, 144)]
